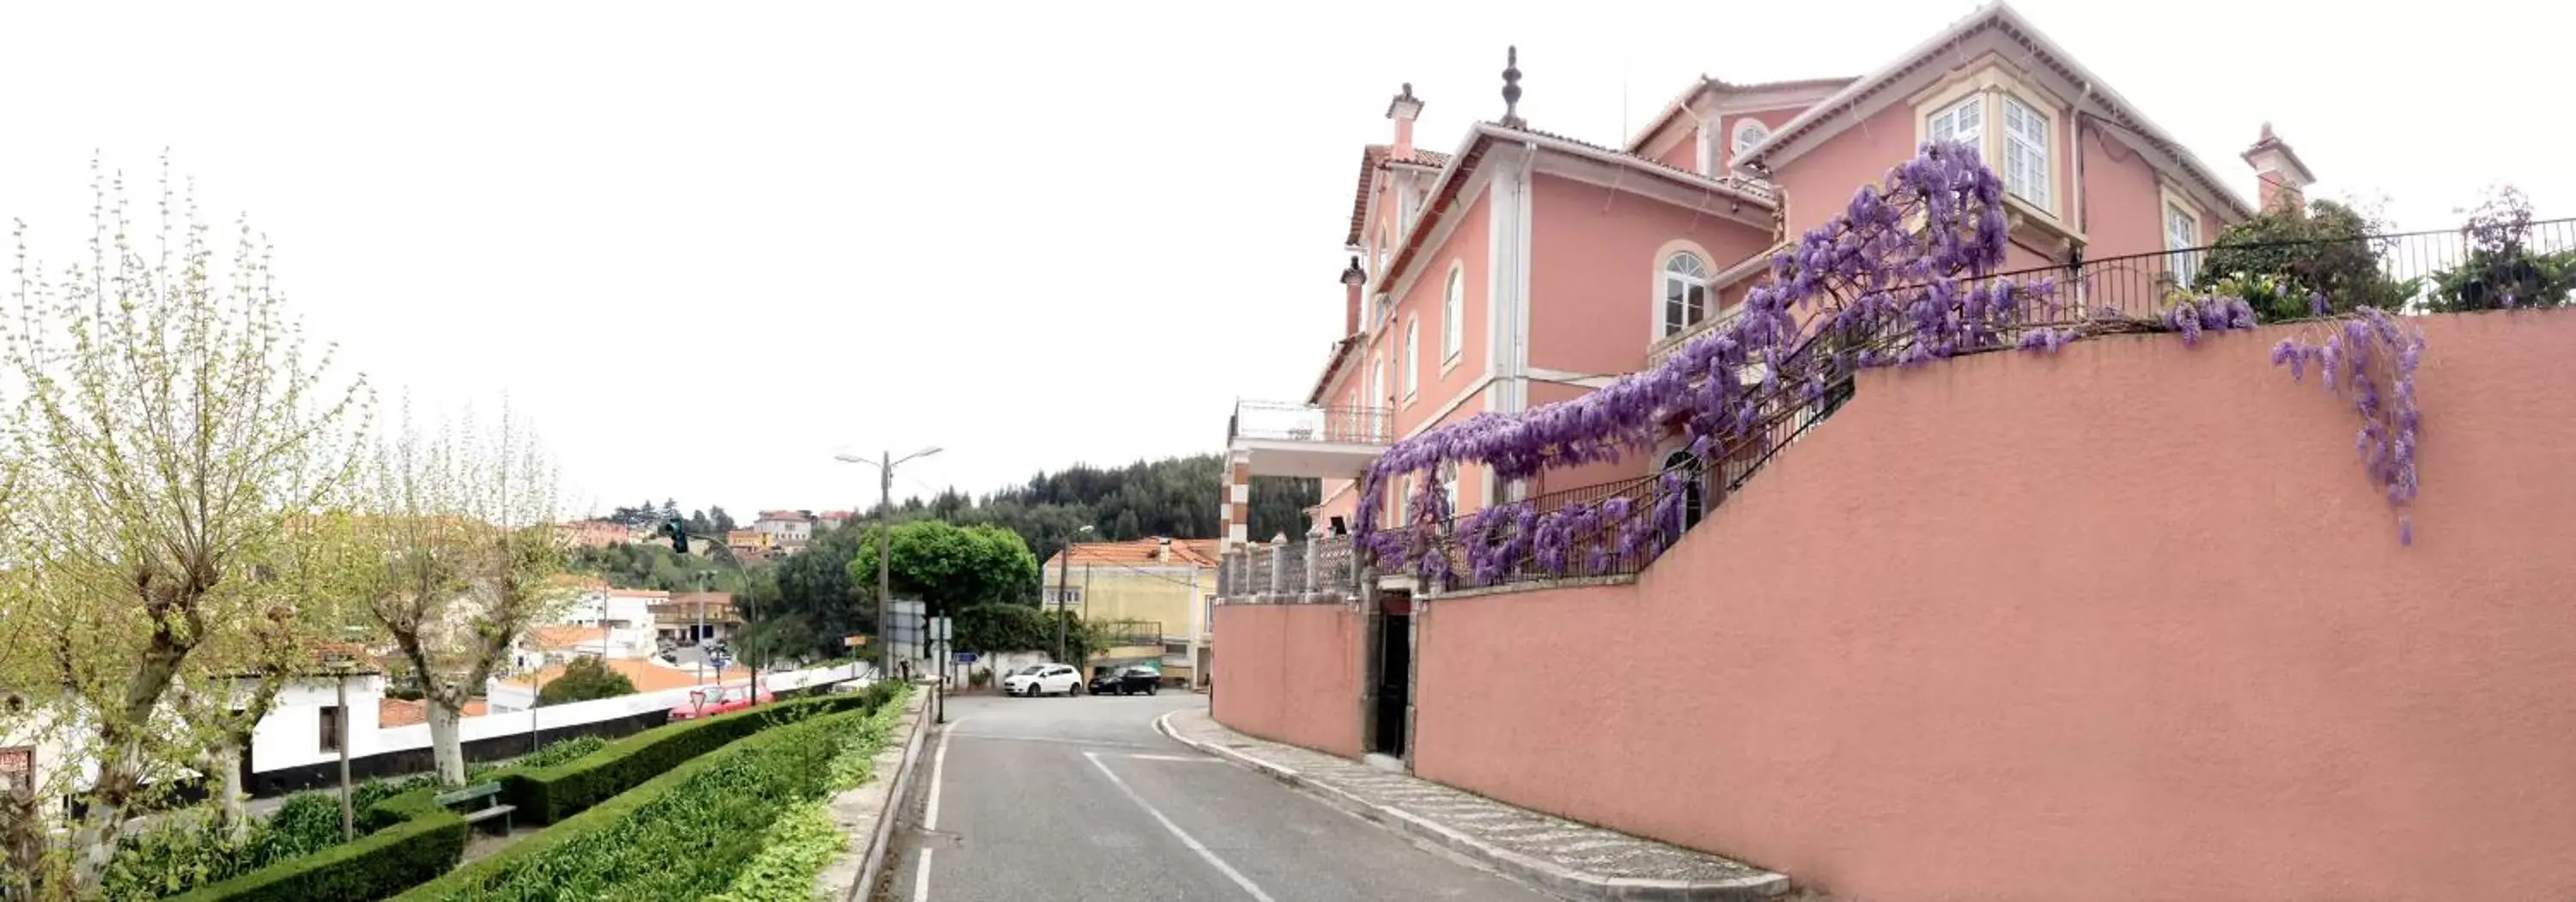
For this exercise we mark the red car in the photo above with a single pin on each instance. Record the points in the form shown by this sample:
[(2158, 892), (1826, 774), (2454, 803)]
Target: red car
[(715, 700)]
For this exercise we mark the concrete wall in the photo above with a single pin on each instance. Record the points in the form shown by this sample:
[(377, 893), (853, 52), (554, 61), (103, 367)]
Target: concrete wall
[(1290, 673), (2122, 623)]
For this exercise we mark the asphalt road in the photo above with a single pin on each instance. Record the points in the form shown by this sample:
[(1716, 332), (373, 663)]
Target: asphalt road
[(1070, 799)]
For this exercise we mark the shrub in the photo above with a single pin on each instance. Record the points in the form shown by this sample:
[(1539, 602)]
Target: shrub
[(549, 794), (562, 751), (374, 867), (2325, 250), (2503, 270), (583, 680), (686, 833)]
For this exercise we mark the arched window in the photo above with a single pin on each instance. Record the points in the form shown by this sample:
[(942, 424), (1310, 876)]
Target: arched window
[(1685, 292), (1692, 503), (1749, 133)]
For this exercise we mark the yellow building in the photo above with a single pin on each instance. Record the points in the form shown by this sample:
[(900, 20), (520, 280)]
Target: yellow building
[(1152, 595)]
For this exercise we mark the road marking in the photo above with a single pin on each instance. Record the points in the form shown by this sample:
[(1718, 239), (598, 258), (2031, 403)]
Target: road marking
[(1184, 759), (1186, 838), (930, 811), (921, 880)]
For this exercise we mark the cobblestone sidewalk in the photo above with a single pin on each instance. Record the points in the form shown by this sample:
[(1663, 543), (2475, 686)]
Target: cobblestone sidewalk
[(1573, 860)]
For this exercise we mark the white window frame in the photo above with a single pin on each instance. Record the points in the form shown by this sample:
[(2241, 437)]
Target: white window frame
[(2173, 205), (1449, 485), (1704, 280), (1453, 311), (1973, 135), (1404, 499), (1377, 380), (1736, 138), (2038, 176), (1383, 258), (1412, 357)]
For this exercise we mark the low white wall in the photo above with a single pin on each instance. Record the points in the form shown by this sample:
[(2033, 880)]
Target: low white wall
[(288, 752)]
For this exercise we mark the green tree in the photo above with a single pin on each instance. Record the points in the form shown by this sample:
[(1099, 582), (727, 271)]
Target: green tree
[(950, 567), (2328, 250), (584, 679), (720, 522), (172, 434)]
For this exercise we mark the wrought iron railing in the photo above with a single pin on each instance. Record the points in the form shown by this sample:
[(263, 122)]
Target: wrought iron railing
[(1278, 421), (2409, 272)]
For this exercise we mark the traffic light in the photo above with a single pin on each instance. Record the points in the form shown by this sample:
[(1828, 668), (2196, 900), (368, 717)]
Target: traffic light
[(679, 535)]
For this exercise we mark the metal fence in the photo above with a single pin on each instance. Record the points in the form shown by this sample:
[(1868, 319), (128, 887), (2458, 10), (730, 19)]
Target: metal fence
[(2471, 268), (1279, 421)]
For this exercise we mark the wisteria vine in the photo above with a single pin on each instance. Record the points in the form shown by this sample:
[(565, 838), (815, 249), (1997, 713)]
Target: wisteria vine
[(1903, 276), (2370, 358)]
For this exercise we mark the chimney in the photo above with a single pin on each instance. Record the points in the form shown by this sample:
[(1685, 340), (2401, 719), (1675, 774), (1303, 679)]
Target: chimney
[(1352, 278), (1162, 549), (2280, 179), (1403, 109)]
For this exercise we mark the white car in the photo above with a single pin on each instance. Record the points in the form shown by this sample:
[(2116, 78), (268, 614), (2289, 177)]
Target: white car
[(1042, 679)]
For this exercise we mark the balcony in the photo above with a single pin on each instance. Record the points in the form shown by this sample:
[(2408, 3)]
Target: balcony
[(1304, 440)]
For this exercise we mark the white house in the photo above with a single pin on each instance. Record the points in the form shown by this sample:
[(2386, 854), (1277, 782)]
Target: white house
[(785, 527)]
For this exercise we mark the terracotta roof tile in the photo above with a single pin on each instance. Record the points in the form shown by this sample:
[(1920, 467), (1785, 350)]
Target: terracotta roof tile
[(560, 636), (395, 712), (1371, 157), (646, 677), (1140, 553)]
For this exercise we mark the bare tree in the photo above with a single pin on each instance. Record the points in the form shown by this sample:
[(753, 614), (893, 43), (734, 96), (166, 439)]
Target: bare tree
[(172, 427), (462, 523)]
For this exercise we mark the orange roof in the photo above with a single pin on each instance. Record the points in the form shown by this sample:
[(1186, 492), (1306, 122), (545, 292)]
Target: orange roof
[(638, 593), (1140, 553), (395, 712), (646, 677), (573, 637)]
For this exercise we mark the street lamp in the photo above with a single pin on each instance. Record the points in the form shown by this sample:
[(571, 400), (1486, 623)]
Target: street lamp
[(885, 465), (1063, 586)]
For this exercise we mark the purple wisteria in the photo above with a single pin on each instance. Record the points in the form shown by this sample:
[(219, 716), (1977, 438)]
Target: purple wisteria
[(1903, 276), (2370, 358)]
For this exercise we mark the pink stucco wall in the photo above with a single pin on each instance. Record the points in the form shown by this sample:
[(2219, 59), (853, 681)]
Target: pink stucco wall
[(2123, 623), (1820, 182), (1467, 248), (1683, 152), (1594, 301), (2123, 209), (1290, 673)]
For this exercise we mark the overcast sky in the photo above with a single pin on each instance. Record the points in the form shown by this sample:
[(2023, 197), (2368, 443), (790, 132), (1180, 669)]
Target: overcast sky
[(706, 247)]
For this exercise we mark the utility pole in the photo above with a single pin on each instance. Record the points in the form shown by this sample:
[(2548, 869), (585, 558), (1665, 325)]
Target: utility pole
[(885, 563), (1063, 586), (885, 464)]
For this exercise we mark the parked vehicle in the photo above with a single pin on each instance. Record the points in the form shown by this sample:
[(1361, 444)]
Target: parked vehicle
[(715, 700), (1043, 679), (1126, 680)]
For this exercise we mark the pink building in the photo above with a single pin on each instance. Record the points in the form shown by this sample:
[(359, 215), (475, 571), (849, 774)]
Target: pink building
[(1523, 267)]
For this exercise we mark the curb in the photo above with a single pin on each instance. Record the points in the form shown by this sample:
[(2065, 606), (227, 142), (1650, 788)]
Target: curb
[(1546, 875), (882, 839)]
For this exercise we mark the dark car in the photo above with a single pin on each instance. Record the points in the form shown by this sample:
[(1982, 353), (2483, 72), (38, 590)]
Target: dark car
[(1126, 680)]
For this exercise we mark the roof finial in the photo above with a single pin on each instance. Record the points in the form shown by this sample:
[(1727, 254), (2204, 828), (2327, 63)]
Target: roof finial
[(1354, 275), (1512, 87)]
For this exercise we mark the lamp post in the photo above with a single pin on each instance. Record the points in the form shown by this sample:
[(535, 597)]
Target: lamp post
[(1064, 585), (885, 465)]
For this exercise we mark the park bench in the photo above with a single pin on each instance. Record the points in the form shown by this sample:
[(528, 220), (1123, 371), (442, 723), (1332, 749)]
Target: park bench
[(489, 794)]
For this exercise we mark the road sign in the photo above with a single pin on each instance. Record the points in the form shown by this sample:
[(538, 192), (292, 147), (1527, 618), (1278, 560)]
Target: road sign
[(854, 641), (965, 657), (940, 629)]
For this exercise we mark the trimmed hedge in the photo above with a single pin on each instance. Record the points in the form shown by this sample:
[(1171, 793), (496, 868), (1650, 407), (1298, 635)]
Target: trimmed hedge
[(685, 833), (547, 795), (375, 867), (413, 840)]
